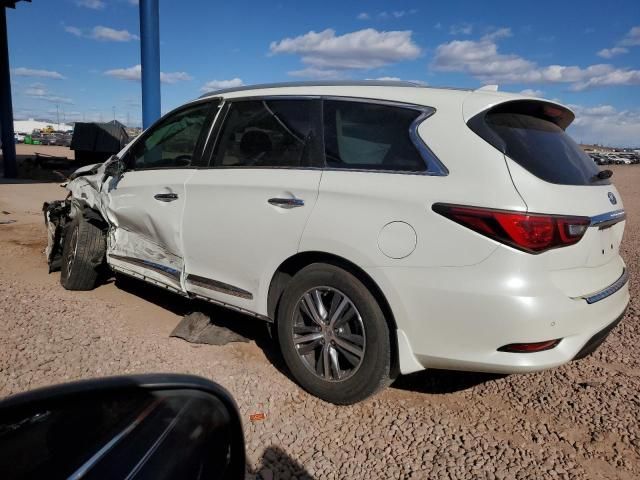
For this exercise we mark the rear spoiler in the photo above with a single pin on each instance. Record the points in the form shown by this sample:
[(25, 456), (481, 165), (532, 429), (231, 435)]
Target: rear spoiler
[(553, 112)]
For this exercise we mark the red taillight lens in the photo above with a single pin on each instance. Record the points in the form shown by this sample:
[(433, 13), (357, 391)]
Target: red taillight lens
[(531, 232)]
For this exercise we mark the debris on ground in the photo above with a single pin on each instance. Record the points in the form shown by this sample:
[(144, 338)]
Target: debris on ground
[(257, 417), (197, 327)]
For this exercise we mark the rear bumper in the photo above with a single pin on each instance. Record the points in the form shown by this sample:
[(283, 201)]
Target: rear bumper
[(457, 317), (595, 341)]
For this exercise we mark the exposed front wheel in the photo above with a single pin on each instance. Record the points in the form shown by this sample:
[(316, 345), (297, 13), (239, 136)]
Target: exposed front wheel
[(333, 335), (82, 254)]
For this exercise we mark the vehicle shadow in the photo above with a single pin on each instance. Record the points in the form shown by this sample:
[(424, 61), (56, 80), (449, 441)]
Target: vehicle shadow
[(428, 381), (276, 464), (442, 381), (246, 326)]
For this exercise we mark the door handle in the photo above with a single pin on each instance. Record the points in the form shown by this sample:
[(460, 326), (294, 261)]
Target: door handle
[(166, 197), (286, 202)]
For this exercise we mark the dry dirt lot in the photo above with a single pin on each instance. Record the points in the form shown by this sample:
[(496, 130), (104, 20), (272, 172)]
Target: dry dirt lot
[(578, 421)]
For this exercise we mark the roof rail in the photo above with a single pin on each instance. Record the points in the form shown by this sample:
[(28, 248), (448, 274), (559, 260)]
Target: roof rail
[(344, 83)]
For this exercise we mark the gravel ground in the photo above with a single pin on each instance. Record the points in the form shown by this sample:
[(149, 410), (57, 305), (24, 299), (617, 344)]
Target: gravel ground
[(578, 421)]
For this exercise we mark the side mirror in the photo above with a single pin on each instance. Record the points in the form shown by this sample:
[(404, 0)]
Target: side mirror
[(114, 167), (147, 426)]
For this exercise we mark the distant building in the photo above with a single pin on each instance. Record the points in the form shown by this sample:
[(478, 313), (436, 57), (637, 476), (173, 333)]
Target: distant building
[(28, 126)]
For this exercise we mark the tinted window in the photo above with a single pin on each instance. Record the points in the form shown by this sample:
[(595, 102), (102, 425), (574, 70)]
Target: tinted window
[(268, 133), (543, 148), (171, 143), (369, 136)]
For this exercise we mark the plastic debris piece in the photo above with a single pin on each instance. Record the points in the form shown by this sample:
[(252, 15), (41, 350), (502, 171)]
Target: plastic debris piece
[(257, 417)]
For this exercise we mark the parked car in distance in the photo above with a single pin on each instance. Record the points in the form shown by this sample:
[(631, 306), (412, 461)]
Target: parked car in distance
[(381, 228)]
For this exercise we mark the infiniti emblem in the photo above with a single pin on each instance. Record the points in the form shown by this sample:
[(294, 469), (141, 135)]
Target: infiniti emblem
[(612, 198)]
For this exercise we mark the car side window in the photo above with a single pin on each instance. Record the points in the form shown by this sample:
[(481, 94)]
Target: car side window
[(171, 143), (268, 133), (370, 136)]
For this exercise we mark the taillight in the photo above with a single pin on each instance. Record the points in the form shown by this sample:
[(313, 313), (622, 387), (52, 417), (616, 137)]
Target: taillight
[(531, 232)]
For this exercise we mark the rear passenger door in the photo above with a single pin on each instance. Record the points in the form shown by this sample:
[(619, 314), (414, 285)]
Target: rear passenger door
[(245, 214)]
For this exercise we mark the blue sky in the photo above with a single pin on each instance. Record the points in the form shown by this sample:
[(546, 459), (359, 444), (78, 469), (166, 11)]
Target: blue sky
[(83, 55)]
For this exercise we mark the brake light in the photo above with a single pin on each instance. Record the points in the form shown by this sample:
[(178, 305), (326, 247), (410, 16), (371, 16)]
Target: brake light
[(530, 232)]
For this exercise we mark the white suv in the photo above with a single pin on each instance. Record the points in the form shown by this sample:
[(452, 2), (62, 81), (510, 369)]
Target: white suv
[(382, 228)]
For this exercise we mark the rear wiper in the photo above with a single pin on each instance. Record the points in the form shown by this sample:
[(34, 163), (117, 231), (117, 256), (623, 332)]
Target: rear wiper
[(602, 175)]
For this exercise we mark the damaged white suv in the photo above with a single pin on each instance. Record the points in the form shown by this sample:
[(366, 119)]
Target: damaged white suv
[(383, 228)]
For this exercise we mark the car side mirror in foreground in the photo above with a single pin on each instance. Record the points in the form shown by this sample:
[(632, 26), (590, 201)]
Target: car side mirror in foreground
[(145, 427)]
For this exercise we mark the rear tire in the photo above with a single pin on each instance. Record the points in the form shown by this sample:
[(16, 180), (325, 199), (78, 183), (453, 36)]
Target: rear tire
[(341, 355), (82, 255)]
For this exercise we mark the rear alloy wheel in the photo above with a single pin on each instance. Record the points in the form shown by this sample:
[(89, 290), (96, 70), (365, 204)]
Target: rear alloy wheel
[(333, 335), (329, 334)]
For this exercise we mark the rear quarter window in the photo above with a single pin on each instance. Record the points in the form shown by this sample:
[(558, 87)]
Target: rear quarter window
[(360, 135), (533, 138)]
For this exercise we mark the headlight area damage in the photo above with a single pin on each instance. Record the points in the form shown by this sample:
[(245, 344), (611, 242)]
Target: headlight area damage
[(57, 215)]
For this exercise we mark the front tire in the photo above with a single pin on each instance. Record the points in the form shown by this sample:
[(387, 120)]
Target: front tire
[(333, 335), (82, 255)]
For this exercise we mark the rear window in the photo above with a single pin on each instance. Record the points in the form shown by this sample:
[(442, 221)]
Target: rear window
[(538, 144)]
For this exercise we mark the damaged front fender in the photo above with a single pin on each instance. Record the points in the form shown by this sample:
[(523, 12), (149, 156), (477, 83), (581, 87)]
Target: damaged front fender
[(57, 216)]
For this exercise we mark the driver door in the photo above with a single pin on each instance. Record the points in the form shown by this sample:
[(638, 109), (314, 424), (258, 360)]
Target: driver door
[(146, 203)]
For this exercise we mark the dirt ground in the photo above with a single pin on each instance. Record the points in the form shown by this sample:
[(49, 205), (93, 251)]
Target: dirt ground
[(23, 150), (580, 421)]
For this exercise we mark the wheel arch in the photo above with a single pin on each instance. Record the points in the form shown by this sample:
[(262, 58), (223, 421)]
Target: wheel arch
[(287, 269)]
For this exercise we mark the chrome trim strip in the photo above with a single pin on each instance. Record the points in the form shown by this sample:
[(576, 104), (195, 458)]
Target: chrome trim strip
[(217, 286), (232, 307), (169, 272), (434, 167), (608, 219), (144, 278), (607, 292)]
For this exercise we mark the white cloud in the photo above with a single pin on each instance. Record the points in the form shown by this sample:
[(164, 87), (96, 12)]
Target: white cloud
[(632, 38), (612, 52), (174, 77), (387, 15), (220, 84), (461, 29), (482, 60), (388, 79), (112, 35), (30, 72), (604, 124), (104, 34), (40, 92), (530, 92), (317, 73), (135, 74), (93, 4), (362, 49), (73, 30)]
